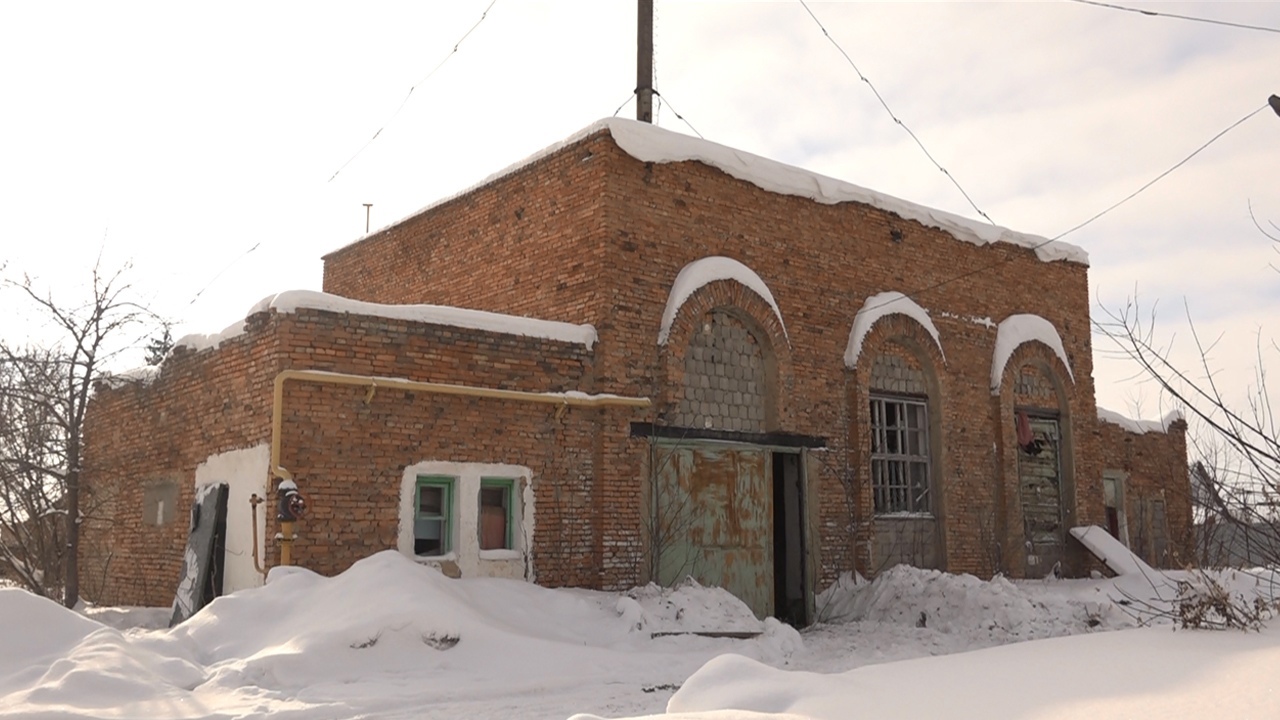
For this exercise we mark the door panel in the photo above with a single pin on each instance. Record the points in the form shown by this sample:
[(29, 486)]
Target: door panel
[(1040, 490), (714, 521)]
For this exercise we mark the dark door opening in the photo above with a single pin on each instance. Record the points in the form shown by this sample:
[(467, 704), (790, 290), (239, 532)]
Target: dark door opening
[(789, 604)]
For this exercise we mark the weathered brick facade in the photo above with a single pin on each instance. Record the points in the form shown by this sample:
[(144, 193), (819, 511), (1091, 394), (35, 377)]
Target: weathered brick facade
[(588, 233)]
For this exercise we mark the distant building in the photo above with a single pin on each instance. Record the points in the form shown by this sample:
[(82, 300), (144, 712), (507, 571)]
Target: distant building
[(738, 370)]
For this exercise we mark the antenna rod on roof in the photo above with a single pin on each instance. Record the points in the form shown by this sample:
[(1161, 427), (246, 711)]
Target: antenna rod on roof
[(644, 61), (366, 217)]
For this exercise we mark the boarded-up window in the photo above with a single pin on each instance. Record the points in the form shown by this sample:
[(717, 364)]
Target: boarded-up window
[(159, 502), (1113, 502), (495, 514)]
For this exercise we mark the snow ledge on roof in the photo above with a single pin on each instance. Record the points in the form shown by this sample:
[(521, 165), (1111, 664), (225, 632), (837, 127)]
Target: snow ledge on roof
[(650, 143), (702, 272), (293, 300), (878, 306), (1016, 330), (1141, 427)]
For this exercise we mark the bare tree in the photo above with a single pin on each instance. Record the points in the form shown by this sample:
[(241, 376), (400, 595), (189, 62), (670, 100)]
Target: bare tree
[(44, 391), (1235, 480)]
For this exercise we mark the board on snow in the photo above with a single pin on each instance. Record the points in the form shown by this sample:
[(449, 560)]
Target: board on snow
[(1118, 558), (200, 580)]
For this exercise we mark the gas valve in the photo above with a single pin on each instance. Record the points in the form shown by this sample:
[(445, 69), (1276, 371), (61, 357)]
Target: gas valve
[(290, 504)]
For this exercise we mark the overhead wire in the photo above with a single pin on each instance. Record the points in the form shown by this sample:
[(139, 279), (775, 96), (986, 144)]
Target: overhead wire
[(895, 118), (1155, 13), (920, 291), (415, 86)]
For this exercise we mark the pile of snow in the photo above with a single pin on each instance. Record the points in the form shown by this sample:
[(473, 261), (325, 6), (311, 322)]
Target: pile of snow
[(995, 611), (1141, 427), (386, 635), (294, 300), (649, 143)]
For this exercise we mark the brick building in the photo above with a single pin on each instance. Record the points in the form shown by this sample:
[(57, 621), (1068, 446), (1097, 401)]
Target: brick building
[(674, 358)]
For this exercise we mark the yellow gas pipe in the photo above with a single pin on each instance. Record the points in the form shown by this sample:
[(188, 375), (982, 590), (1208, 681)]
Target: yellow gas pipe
[(564, 400)]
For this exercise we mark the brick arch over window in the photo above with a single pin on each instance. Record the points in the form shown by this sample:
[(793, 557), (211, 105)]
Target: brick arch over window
[(1040, 484), (896, 409), (726, 356)]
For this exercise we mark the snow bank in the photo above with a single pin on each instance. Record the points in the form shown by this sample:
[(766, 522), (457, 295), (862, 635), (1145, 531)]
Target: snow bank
[(1141, 427), (688, 608), (1150, 673), (988, 612), (387, 636), (878, 306), (699, 273), (1015, 330), (294, 300)]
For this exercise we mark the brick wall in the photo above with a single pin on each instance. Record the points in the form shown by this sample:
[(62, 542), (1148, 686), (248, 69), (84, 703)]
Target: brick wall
[(589, 234), (821, 262), (347, 446), (1152, 467)]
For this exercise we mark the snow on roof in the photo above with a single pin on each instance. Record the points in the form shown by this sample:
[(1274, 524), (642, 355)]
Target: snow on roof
[(878, 306), (649, 143), (695, 275), (293, 300), (1016, 330), (1141, 427)]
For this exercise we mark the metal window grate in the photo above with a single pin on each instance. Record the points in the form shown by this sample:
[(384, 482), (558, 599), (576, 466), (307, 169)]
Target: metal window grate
[(900, 455)]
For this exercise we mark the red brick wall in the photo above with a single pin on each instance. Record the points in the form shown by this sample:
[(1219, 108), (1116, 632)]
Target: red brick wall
[(589, 234), (821, 263), (348, 449), (1155, 468)]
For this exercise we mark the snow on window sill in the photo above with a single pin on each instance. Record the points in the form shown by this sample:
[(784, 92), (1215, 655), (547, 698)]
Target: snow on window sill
[(428, 559), (501, 555), (904, 516)]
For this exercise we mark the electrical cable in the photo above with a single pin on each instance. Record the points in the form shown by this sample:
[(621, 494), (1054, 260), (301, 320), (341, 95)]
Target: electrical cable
[(1154, 13), (903, 125), (914, 293), (677, 113), (408, 95)]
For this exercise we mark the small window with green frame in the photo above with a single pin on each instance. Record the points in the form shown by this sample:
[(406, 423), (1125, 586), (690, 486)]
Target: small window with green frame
[(495, 514), (433, 516)]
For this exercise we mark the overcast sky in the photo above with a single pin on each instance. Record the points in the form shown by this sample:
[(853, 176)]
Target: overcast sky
[(197, 141)]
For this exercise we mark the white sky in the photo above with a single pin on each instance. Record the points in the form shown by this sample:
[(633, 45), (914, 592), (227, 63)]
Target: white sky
[(179, 136)]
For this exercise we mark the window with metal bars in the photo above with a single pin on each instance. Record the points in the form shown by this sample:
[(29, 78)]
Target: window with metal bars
[(900, 455)]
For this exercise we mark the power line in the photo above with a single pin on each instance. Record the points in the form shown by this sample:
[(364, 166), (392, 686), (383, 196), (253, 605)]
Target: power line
[(409, 94), (914, 293), (1161, 176), (903, 125), (677, 113), (1154, 13)]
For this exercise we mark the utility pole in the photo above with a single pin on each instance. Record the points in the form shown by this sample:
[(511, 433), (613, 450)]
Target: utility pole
[(644, 62), (367, 207)]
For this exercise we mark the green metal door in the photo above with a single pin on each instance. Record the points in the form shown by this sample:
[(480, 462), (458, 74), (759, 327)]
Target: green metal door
[(714, 512)]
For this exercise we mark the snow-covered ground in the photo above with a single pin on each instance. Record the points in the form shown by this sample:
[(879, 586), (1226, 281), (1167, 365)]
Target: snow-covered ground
[(392, 639)]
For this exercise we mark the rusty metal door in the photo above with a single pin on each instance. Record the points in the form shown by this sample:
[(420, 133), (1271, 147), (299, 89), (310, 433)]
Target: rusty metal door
[(1040, 489), (714, 512)]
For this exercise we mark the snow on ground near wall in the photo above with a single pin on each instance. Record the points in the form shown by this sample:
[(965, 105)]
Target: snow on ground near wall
[(699, 273), (876, 307), (390, 639), (1144, 673), (1015, 330), (650, 143), (294, 300), (1141, 427)]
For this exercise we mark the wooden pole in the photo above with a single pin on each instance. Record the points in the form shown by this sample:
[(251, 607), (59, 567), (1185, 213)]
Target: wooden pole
[(644, 61)]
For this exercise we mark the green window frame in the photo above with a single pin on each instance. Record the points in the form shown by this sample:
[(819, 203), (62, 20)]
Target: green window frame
[(433, 516), (496, 504)]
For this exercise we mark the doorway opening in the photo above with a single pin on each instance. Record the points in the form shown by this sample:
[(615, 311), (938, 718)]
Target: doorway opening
[(790, 604)]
